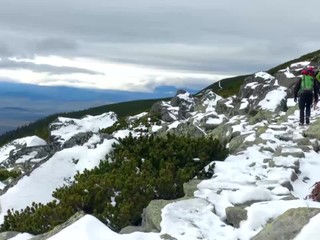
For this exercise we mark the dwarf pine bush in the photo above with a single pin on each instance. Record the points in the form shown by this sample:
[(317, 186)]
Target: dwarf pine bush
[(135, 172)]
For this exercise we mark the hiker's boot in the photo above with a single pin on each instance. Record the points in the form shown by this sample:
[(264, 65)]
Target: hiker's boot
[(307, 121)]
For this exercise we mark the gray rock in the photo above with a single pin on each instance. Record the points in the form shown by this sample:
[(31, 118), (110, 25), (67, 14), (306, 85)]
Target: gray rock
[(271, 164), (223, 108), (289, 197), (222, 133), (59, 228), (236, 143), (167, 237), (235, 215), (288, 225), (287, 185), (254, 90), (284, 81), (152, 215), (209, 126), (188, 128), (302, 142), (266, 149), (77, 140), (316, 146), (260, 116), (178, 108), (190, 187), (293, 154), (131, 229), (8, 235), (161, 111)]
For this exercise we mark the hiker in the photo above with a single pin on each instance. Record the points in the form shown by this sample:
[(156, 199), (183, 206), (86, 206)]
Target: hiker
[(318, 76), (308, 89)]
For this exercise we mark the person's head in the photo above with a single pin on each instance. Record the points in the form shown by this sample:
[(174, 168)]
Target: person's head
[(310, 70)]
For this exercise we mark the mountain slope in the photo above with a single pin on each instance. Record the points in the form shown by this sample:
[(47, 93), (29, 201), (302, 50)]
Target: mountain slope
[(271, 168), (230, 86), (265, 179), (40, 127)]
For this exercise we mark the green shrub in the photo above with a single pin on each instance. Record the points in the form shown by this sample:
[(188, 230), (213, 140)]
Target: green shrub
[(5, 174), (135, 172)]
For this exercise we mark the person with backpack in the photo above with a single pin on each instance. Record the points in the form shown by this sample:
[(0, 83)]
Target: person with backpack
[(318, 76), (308, 89)]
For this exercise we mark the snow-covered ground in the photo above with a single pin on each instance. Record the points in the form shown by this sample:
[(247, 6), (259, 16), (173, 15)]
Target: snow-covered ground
[(65, 128), (255, 174), (16, 144), (241, 178)]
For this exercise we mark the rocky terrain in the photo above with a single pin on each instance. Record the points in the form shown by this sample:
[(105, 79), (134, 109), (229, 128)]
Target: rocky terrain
[(258, 192)]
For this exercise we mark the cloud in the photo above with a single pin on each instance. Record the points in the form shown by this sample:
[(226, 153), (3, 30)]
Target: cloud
[(55, 45), (43, 68), (207, 37)]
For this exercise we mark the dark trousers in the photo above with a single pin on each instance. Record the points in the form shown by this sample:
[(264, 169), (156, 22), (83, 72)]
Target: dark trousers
[(305, 102)]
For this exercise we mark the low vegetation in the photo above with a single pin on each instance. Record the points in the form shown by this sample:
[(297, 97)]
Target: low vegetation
[(135, 172), (5, 174)]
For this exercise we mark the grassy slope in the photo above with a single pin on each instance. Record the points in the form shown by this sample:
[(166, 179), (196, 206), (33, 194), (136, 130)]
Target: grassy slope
[(231, 86)]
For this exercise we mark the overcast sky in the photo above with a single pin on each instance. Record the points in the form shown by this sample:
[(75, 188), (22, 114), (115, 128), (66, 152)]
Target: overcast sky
[(139, 45)]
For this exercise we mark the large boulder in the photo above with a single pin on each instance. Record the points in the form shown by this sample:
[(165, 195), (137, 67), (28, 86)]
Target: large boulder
[(151, 217), (8, 235), (235, 215), (288, 225), (187, 129), (190, 187), (260, 91), (59, 228), (179, 108), (208, 101), (78, 139), (223, 133), (131, 229)]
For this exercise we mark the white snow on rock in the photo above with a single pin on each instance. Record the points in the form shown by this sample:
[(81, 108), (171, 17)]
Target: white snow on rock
[(273, 99), (288, 73), (66, 128), (193, 219), (90, 228), (300, 64), (185, 96), (252, 85), (264, 75), (244, 103), (138, 116), (311, 230), (31, 141), (22, 236), (210, 104), (39, 186)]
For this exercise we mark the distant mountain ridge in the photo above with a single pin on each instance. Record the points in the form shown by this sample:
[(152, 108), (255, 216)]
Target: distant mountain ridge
[(25, 103)]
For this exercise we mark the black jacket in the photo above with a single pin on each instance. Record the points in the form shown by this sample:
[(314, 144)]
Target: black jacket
[(315, 89)]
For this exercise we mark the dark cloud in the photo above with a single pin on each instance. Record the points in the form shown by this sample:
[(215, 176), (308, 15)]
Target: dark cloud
[(42, 68), (4, 49), (55, 45), (230, 37)]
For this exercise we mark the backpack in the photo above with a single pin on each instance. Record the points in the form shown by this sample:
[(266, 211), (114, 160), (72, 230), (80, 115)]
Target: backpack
[(307, 83), (318, 76)]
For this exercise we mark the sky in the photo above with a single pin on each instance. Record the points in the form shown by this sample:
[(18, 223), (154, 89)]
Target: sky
[(140, 45)]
